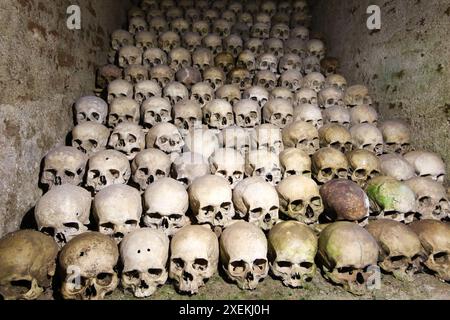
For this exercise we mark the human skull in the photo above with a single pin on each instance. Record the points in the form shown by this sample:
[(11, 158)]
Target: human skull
[(169, 40), (137, 24), (401, 252), (229, 93), (144, 253), (233, 44), (247, 113), (396, 166), (105, 168), (121, 38), (175, 92), (357, 95), (213, 43), (191, 41), (218, 114), (202, 141), (179, 58), (246, 60), (335, 136), (267, 61), (107, 74), (314, 81), (224, 61), (189, 166), (431, 198), (301, 135), (192, 14), (427, 164), (162, 74), (265, 164), (63, 165), (396, 136), (300, 32), (63, 212), (291, 79), (162, 212), (87, 265), (391, 199), (128, 138), (367, 136), (254, 45), (202, 93), (280, 31), (260, 30), (292, 248), (258, 94), (201, 27), (305, 95), (434, 236), (186, 114), (337, 115), (363, 166), (165, 137), (153, 57), (236, 138), (281, 93), (309, 113), (289, 61), (329, 66), (123, 110), (329, 163), (278, 112), (194, 258), (135, 73), (90, 137), (336, 81), (27, 264), (296, 47), (316, 48), (117, 210), (148, 166), (267, 137), (243, 254), (210, 199), (274, 46), (179, 25), (158, 24), (188, 76), (363, 114), (145, 90), (241, 78), (330, 97), (146, 40), (348, 255), (295, 162), (214, 76), (130, 55), (228, 163), (119, 89), (221, 27)]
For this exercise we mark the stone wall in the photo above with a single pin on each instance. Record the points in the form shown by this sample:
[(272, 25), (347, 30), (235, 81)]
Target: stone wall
[(44, 68)]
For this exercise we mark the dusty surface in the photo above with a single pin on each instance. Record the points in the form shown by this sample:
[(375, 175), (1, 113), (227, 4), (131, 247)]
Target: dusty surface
[(45, 67), (406, 64)]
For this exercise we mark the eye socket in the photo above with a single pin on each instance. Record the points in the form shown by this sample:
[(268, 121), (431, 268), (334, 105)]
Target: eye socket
[(115, 173), (104, 278), (132, 274), (238, 266), (155, 272), (70, 174), (208, 210), (200, 264), (107, 225), (226, 205), (154, 215), (145, 171), (71, 225), (284, 264), (175, 217), (256, 211), (178, 262), (131, 222), (259, 264), (326, 172)]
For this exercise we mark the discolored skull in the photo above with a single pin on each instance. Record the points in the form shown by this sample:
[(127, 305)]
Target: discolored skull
[(210, 199), (27, 264), (117, 210), (119, 89), (148, 166), (229, 92), (274, 46), (434, 236), (87, 266), (214, 76), (107, 74), (179, 58), (165, 137), (290, 61), (169, 40), (291, 79), (363, 114), (135, 73), (240, 77), (329, 66), (391, 199), (314, 81), (162, 74), (158, 24), (395, 166), (90, 137), (265, 164), (260, 30), (164, 213), (300, 32), (335, 136), (105, 168), (145, 90), (218, 114), (213, 43), (227, 163), (278, 112), (431, 198), (348, 255), (357, 95), (427, 164), (189, 166), (154, 57), (396, 136), (247, 113), (121, 38), (295, 162), (233, 44), (363, 166), (144, 253), (246, 60), (292, 248), (123, 110), (329, 163), (175, 92), (336, 81), (194, 258), (201, 27), (128, 138), (202, 93), (63, 165), (367, 136), (224, 61), (301, 135), (296, 47), (179, 25), (130, 55), (146, 40), (191, 41), (221, 27), (330, 97), (243, 254), (311, 64), (309, 113), (137, 24)]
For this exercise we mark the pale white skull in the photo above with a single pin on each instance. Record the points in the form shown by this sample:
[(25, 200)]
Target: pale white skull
[(194, 257), (91, 108), (396, 136), (128, 138), (278, 112), (202, 59), (282, 93), (329, 163), (106, 168), (165, 137), (337, 114), (258, 94), (202, 141), (63, 212), (189, 166), (247, 113), (155, 110), (218, 114), (123, 110), (330, 97), (267, 137), (63, 165), (229, 92), (357, 95), (305, 95), (121, 38), (145, 90), (291, 79), (210, 199), (162, 74), (130, 55), (150, 165), (175, 92), (214, 76), (202, 93), (396, 166), (145, 40), (367, 136), (90, 137), (267, 61), (243, 254), (363, 114), (117, 210), (316, 48), (295, 162), (169, 40), (186, 115), (315, 81), (144, 254), (257, 202), (119, 88), (335, 136), (164, 212), (135, 73), (228, 163), (301, 135), (265, 164), (427, 164), (309, 113), (153, 57)]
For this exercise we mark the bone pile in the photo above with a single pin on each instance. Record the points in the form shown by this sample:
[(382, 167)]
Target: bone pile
[(223, 136)]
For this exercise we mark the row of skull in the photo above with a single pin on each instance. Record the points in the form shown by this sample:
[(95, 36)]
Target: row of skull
[(346, 253)]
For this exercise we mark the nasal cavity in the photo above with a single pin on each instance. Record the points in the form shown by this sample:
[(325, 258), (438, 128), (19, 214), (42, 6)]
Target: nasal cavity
[(359, 278), (187, 276)]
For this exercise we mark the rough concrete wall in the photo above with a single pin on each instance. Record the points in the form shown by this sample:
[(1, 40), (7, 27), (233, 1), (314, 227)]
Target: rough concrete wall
[(406, 64), (44, 68)]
